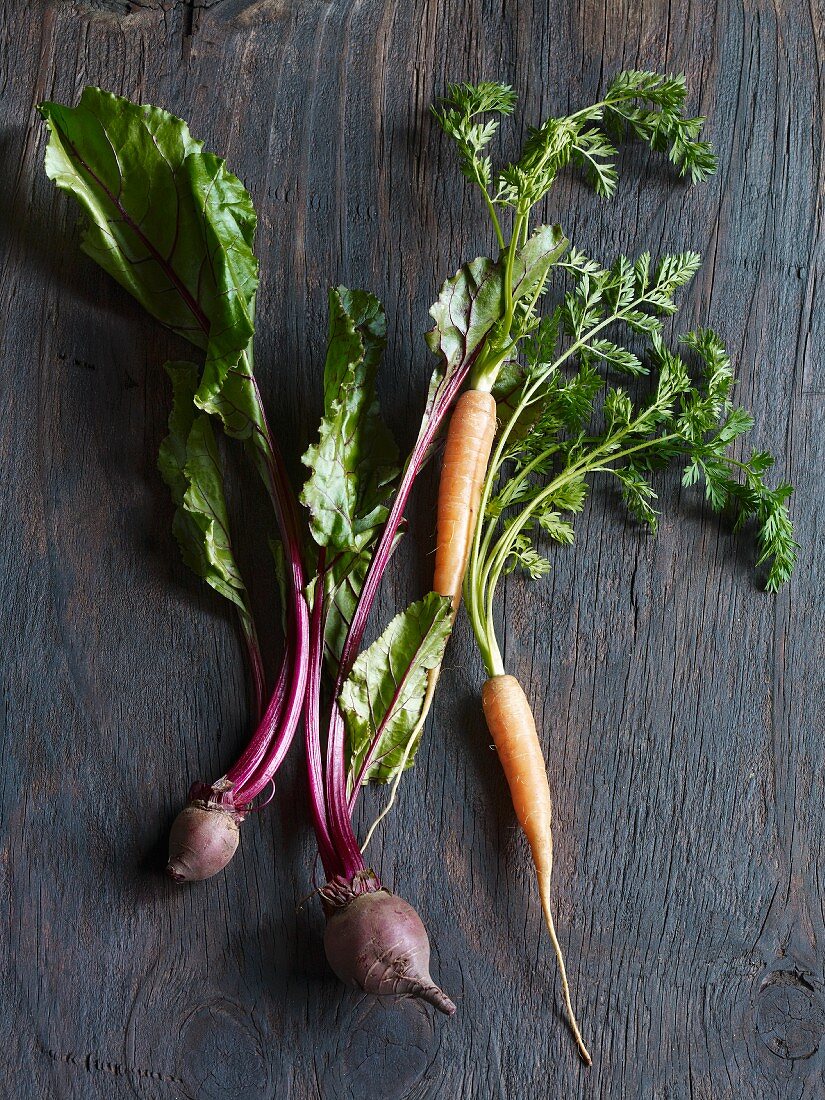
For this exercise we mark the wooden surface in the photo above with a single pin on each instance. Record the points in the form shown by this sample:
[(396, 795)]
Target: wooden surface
[(682, 709)]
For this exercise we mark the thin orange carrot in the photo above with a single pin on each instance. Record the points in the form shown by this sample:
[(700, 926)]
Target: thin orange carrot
[(513, 728)]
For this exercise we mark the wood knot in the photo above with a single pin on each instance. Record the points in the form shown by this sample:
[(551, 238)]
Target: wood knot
[(382, 1053), (790, 1017)]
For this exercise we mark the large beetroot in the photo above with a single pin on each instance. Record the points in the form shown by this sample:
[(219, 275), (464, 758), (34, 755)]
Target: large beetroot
[(375, 941)]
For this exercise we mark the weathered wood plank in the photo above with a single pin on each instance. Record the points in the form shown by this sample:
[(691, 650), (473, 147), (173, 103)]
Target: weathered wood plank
[(682, 709)]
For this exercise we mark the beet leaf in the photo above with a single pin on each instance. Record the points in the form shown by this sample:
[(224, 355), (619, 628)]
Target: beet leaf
[(383, 695), (190, 465), (354, 463), (175, 228), (166, 219)]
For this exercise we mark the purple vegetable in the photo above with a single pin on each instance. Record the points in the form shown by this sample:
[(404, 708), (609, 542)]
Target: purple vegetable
[(202, 841), (375, 941)]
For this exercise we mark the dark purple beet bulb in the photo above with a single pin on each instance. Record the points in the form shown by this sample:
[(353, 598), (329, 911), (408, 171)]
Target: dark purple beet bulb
[(375, 941), (202, 840)]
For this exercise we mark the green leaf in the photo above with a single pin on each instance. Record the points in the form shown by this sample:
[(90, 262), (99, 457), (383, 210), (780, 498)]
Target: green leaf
[(593, 152), (190, 465), (468, 306), (612, 355), (455, 115), (533, 261), (383, 696), (559, 529), (354, 463), (471, 304), (777, 546), (476, 99), (237, 404), (343, 582), (618, 408), (507, 391), (645, 105), (523, 554), (166, 220), (664, 128)]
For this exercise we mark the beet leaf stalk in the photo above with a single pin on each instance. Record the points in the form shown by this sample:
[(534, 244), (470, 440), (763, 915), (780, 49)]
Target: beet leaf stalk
[(175, 228)]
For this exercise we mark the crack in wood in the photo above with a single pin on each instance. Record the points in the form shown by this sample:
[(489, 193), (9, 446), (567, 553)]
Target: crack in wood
[(189, 18), (105, 8), (242, 10), (90, 1063)]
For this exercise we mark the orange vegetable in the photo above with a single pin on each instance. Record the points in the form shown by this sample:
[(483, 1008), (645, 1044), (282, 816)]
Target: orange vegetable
[(513, 728), (463, 469)]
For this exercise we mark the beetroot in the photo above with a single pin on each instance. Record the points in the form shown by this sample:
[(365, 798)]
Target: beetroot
[(375, 941), (202, 840)]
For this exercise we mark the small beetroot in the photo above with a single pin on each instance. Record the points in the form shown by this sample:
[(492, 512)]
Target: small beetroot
[(375, 941), (202, 840)]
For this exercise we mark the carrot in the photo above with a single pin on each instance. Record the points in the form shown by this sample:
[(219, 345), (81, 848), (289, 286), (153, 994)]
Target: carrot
[(513, 728), (464, 466)]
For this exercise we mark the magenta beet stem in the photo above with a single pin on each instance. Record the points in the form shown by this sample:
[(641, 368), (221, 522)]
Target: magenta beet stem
[(282, 739), (255, 751), (312, 732), (281, 732), (340, 819)]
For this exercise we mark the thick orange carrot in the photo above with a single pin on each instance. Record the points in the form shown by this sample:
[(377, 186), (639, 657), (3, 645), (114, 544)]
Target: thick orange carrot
[(464, 466), (511, 723), (463, 469)]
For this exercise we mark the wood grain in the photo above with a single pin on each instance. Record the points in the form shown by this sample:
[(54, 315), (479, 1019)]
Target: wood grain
[(682, 710)]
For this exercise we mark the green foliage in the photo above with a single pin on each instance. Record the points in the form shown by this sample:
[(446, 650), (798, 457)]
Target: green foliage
[(175, 228), (190, 465), (166, 219), (658, 120), (468, 306), (638, 494), (533, 261), (474, 304), (650, 107), (343, 580), (457, 114), (384, 694), (566, 420), (353, 465), (642, 105), (629, 292)]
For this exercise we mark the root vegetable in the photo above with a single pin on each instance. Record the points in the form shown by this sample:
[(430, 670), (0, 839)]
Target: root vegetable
[(202, 840), (376, 941)]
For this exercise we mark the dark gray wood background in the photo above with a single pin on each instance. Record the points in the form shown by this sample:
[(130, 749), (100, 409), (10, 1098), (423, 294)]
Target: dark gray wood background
[(681, 708)]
